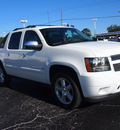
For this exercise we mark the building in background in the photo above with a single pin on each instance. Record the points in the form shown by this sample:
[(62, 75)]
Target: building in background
[(111, 36)]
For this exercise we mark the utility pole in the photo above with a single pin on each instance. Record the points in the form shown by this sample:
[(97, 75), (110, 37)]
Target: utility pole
[(94, 26), (61, 17)]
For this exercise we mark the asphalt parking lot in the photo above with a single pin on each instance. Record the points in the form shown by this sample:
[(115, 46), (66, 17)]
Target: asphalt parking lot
[(29, 105)]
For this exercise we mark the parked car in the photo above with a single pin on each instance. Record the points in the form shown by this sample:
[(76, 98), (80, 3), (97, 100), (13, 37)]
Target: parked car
[(118, 38), (75, 67)]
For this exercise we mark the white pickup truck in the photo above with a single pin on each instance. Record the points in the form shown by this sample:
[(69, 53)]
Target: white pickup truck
[(75, 67)]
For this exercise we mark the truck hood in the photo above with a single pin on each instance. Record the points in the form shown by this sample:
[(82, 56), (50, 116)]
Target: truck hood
[(97, 48)]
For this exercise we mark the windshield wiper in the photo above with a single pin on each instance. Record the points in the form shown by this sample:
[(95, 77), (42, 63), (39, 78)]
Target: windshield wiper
[(57, 43), (69, 42)]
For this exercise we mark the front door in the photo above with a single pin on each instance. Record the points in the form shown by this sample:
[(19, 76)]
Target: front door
[(32, 62)]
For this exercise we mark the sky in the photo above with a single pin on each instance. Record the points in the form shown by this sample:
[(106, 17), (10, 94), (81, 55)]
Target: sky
[(75, 12)]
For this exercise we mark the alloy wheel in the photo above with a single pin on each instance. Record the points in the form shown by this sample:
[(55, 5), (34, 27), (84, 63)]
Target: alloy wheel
[(64, 91)]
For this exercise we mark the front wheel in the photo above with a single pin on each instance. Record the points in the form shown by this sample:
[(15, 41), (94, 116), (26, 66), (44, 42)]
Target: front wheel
[(66, 91)]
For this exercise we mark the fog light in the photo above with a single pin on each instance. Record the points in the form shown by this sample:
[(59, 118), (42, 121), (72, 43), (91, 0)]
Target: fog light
[(104, 90)]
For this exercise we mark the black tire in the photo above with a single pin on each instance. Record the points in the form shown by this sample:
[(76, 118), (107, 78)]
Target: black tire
[(4, 78), (65, 91)]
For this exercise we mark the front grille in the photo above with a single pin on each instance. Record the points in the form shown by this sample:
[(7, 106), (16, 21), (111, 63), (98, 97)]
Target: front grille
[(116, 65), (115, 57)]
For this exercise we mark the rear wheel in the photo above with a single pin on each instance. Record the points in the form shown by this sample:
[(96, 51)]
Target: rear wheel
[(66, 91), (4, 78)]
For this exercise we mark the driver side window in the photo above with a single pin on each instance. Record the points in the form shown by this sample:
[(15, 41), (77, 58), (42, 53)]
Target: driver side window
[(31, 36)]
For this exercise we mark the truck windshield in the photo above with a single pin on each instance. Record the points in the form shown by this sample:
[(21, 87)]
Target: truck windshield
[(61, 36)]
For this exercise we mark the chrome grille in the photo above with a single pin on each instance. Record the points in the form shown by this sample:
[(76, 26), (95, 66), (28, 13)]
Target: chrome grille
[(115, 57), (116, 65)]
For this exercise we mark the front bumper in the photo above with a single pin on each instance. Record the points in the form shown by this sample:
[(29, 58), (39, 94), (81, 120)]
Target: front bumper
[(100, 85), (101, 98)]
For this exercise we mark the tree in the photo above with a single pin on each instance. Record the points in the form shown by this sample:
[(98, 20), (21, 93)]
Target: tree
[(87, 31), (1, 39), (113, 28)]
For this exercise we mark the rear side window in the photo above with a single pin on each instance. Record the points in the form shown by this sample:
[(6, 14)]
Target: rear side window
[(14, 40), (2, 43)]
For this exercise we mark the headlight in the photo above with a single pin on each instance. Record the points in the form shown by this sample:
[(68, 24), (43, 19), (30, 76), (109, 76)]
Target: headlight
[(97, 64)]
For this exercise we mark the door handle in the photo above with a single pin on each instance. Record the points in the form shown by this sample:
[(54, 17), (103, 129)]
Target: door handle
[(22, 55), (7, 54)]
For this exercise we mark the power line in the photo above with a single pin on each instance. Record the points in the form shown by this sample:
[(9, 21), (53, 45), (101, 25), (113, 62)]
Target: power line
[(53, 21), (65, 9), (105, 17), (89, 18)]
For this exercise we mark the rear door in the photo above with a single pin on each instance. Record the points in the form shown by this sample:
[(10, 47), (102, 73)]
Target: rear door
[(12, 54)]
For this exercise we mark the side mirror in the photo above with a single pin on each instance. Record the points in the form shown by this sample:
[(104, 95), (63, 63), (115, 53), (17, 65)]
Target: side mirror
[(33, 45)]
